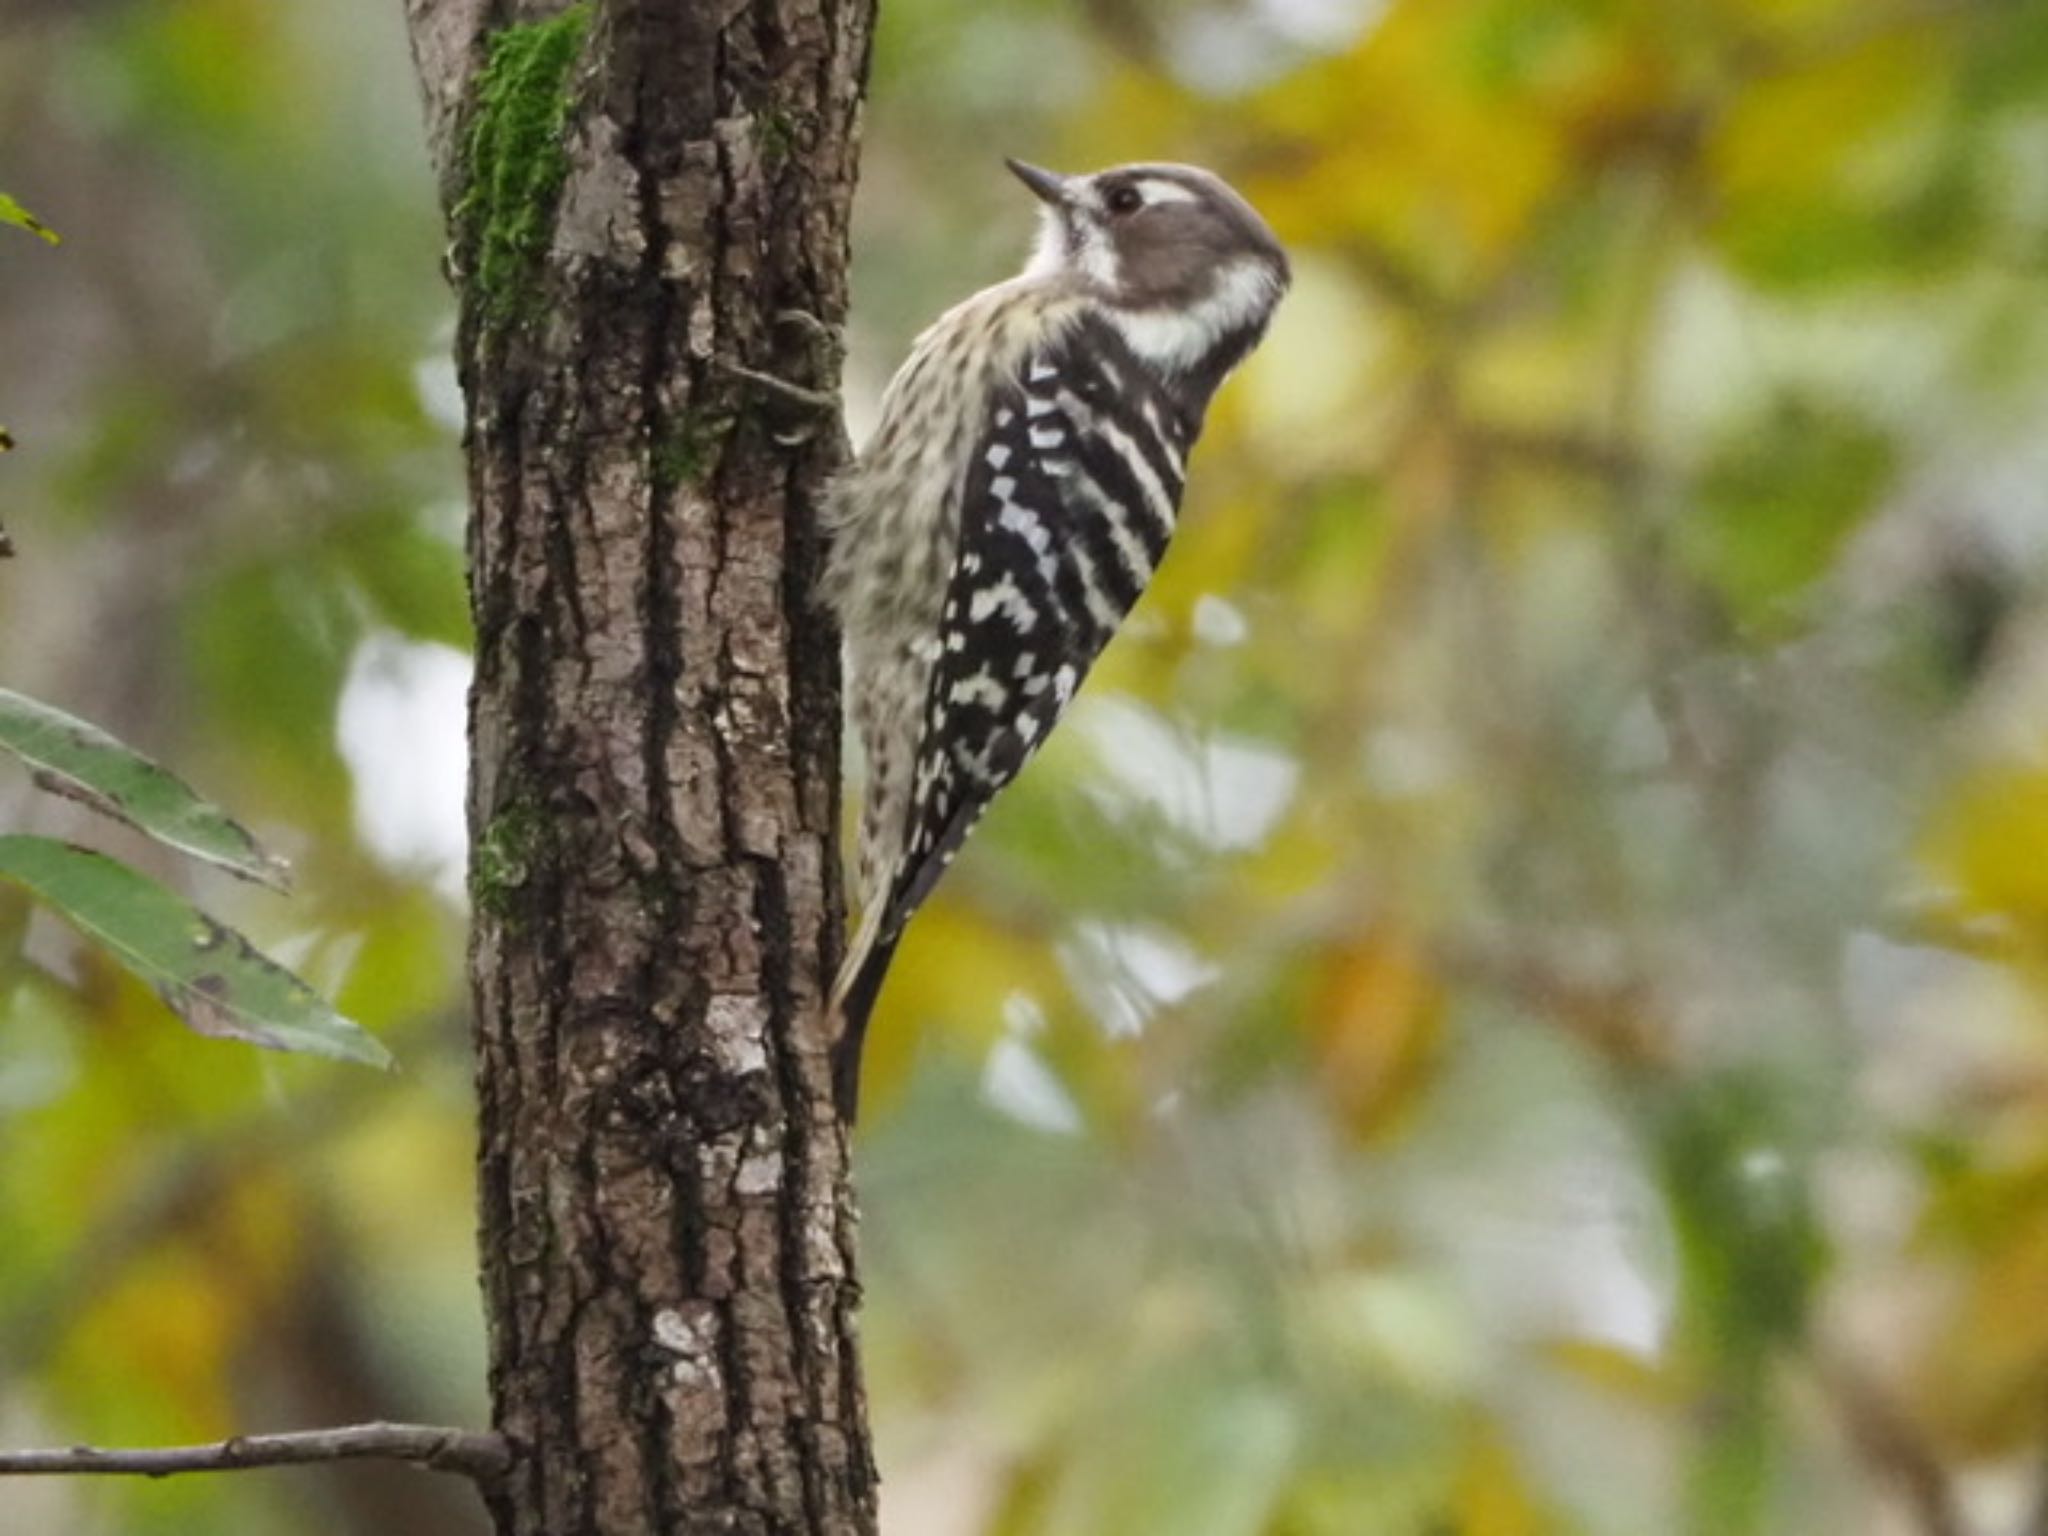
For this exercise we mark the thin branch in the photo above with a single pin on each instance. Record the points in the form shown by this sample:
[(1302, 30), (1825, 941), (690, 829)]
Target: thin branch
[(1891, 1443), (1561, 449), (783, 389), (479, 1455)]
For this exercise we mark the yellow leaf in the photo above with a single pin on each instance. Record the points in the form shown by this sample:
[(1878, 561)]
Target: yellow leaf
[(1791, 134), (1626, 1375), (167, 1326), (1491, 1496), (1378, 1022), (1983, 1376), (953, 973), (1991, 844)]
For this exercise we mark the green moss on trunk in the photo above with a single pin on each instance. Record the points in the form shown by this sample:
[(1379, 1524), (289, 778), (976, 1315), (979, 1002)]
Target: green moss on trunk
[(515, 161), (689, 450), (502, 860)]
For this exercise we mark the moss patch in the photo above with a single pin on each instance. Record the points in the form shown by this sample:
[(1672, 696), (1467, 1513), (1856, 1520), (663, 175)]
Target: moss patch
[(774, 136), (505, 853), (515, 162), (689, 449)]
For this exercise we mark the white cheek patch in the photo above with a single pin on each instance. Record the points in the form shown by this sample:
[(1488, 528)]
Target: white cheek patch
[(1178, 339)]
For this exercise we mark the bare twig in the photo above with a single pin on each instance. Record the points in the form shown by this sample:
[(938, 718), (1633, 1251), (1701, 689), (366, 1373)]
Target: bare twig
[(783, 389), (1891, 1444), (478, 1455), (1561, 449)]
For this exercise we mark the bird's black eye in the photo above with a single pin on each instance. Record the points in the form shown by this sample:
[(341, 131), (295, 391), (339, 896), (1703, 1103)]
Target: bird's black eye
[(1125, 199)]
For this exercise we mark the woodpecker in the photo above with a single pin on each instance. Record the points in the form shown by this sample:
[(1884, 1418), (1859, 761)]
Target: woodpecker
[(1014, 500)]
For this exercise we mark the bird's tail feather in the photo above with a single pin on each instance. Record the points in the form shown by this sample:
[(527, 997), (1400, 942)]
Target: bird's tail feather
[(860, 983)]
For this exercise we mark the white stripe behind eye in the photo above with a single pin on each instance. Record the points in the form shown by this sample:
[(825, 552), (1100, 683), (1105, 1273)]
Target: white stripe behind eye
[(1155, 191)]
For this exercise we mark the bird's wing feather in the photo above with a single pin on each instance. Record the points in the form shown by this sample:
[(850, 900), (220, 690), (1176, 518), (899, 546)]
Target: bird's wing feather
[(1068, 503)]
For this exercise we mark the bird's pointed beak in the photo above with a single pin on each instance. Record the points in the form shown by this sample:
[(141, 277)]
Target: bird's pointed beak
[(1047, 186)]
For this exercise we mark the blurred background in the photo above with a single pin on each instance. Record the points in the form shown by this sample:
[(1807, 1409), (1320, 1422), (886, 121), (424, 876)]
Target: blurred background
[(1518, 1005)]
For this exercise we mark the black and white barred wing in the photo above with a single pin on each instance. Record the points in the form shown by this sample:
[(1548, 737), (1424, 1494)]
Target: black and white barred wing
[(1069, 500)]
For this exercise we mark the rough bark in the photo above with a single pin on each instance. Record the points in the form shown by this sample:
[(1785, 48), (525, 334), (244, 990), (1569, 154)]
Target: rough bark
[(666, 1222)]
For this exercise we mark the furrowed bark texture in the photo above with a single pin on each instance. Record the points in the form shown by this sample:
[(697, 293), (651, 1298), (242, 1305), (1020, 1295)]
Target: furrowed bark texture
[(639, 190)]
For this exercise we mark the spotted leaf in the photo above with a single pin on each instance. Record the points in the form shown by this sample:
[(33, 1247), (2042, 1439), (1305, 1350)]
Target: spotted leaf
[(208, 974)]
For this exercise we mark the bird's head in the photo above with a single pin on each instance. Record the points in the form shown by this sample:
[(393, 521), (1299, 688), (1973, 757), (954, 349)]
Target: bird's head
[(1182, 263)]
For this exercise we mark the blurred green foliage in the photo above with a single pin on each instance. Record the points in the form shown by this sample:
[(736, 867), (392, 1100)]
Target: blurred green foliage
[(1516, 1006)]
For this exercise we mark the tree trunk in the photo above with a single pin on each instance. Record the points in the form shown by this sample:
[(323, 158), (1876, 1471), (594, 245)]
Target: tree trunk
[(640, 192)]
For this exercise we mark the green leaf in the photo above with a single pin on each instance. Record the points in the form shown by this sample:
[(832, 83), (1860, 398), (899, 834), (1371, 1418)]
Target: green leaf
[(13, 213), (1777, 503), (83, 762), (211, 976), (1194, 1448)]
